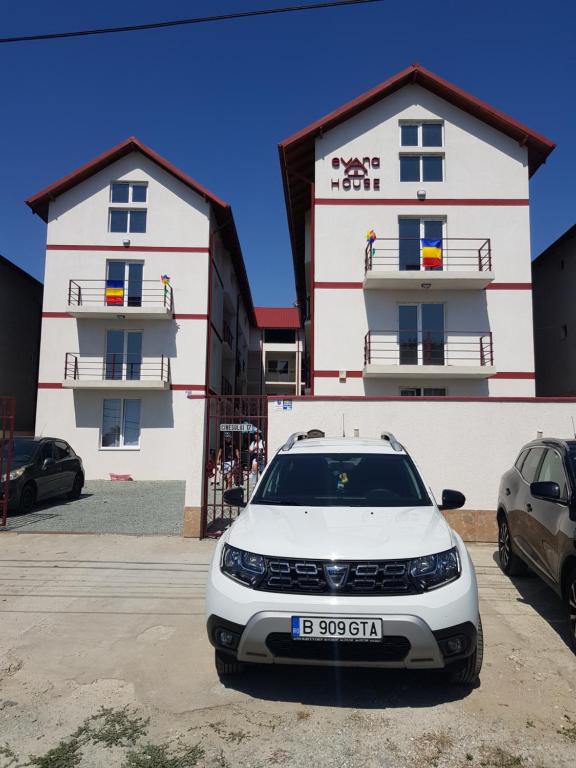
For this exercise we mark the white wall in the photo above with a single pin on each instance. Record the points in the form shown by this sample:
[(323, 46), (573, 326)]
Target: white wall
[(466, 446)]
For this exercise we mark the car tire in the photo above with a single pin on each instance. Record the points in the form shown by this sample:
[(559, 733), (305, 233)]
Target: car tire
[(571, 608), (227, 666), (467, 671), (510, 563), (27, 499), (77, 486)]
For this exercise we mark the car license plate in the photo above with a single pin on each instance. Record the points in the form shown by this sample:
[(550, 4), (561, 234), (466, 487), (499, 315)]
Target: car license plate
[(330, 628)]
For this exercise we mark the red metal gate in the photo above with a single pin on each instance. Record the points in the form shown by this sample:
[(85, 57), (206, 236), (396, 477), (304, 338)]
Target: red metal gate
[(236, 453), (7, 413)]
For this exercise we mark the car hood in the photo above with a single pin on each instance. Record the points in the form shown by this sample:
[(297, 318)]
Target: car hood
[(343, 533)]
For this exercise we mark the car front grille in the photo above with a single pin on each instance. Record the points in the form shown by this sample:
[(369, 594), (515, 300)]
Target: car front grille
[(384, 577), (390, 648)]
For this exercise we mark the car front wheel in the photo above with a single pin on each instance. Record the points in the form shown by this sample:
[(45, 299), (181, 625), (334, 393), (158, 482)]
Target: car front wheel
[(27, 499), (467, 671), (510, 563), (571, 605), (76, 487)]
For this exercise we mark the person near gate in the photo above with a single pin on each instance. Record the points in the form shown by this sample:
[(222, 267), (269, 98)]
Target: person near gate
[(256, 449), (228, 460)]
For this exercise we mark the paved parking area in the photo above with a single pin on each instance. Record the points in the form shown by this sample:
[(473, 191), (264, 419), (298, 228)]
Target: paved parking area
[(109, 507), (91, 621)]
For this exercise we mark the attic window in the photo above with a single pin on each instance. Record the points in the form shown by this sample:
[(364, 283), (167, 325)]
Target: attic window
[(421, 134), (128, 192)]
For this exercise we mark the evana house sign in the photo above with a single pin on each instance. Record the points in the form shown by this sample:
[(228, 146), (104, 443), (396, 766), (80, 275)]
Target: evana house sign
[(355, 174)]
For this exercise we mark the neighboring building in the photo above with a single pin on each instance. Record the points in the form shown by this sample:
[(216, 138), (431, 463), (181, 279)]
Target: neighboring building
[(281, 353), (439, 302), (20, 321), (554, 280), (147, 310)]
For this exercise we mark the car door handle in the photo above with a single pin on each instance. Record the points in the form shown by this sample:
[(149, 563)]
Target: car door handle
[(528, 507), (507, 491)]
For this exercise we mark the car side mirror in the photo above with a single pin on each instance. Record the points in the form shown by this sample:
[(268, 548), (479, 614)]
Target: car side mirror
[(452, 500), (545, 490), (47, 463), (234, 497)]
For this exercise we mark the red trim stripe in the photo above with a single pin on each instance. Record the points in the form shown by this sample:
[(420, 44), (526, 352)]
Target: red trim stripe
[(509, 287), (194, 387), (128, 248), (56, 314), (190, 317), (489, 201), (338, 285), (49, 385), (336, 374), (358, 375), (514, 375), (399, 399)]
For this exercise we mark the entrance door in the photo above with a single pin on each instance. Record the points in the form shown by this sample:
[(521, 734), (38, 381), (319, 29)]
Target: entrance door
[(126, 275), (421, 334), (411, 232), (123, 358)]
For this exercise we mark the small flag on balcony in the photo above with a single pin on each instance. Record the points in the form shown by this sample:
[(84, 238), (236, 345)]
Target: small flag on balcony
[(114, 292), (165, 280), (370, 236), (431, 253)]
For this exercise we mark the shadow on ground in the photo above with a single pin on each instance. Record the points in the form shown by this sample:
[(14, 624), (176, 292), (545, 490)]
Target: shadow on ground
[(538, 595), (351, 687)]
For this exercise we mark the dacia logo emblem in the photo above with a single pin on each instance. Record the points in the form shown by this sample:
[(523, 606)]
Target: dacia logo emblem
[(336, 575)]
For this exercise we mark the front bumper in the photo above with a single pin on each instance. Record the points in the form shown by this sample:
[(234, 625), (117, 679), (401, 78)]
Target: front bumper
[(416, 627)]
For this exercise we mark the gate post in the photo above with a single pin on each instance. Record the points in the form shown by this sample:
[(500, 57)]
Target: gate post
[(7, 414)]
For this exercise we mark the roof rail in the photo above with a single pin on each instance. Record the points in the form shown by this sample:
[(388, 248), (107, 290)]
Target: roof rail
[(390, 437), (295, 436)]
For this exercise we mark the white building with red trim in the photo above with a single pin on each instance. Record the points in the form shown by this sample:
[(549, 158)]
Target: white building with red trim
[(416, 162)]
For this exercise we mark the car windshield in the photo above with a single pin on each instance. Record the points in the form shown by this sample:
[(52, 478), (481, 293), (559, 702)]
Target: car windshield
[(342, 480), (22, 450)]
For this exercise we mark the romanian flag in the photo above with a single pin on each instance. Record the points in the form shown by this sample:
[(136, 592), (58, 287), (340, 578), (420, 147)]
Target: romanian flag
[(114, 293), (431, 253)]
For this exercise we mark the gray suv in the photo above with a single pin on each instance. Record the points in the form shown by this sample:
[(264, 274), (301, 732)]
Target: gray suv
[(537, 518)]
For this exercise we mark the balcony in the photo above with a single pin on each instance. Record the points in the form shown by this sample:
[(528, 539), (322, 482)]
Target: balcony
[(428, 355), (115, 371), (398, 263), (146, 300)]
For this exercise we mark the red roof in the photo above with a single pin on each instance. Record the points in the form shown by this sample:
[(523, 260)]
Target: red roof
[(297, 152), (277, 317), (40, 202)]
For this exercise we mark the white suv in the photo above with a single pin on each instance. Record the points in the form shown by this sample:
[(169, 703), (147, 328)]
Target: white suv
[(342, 557)]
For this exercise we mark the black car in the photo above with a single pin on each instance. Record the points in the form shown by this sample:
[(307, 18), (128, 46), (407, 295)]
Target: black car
[(41, 468), (537, 518)]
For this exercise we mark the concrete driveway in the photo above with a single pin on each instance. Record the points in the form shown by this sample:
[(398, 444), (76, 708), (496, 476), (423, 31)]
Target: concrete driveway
[(138, 507), (114, 621)]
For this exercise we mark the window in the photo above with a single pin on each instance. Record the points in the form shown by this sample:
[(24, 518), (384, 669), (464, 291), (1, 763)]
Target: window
[(421, 134), (422, 391), (120, 424), (552, 471), (124, 283), (411, 232), (520, 460), (279, 336), (62, 450), (342, 479), (531, 463), (123, 355), (421, 167), (421, 334), (277, 366), (128, 192), (127, 219)]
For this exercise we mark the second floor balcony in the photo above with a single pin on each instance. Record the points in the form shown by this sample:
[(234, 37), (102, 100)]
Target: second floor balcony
[(116, 371), (143, 299), (403, 353), (411, 262)]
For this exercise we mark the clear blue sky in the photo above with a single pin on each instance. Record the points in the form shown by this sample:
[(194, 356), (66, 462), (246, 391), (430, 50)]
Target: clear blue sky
[(216, 99)]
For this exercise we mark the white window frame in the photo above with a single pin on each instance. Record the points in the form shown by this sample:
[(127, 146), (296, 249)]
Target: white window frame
[(418, 124), (421, 391), (120, 447), (129, 211), (130, 185), (421, 153), (419, 331)]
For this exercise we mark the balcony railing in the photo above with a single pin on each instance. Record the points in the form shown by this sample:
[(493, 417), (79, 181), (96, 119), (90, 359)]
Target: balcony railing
[(404, 254), (145, 294), (116, 367), (413, 347), (284, 377)]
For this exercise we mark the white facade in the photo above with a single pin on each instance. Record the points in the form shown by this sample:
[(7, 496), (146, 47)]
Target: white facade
[(355, 327), (153, 383)]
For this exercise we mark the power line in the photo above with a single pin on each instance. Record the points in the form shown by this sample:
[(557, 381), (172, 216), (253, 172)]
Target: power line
[(183, 22)]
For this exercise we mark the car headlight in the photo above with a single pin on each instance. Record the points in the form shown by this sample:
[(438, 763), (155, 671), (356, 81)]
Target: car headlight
[(242, 566), (434, 571), (14, 475)]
